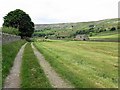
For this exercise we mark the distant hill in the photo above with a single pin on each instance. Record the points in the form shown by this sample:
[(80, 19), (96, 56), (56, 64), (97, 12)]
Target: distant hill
[(70, 30), (106, 22)]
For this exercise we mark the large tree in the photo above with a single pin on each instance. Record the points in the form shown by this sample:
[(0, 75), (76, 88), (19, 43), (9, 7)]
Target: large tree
[(19, 19)]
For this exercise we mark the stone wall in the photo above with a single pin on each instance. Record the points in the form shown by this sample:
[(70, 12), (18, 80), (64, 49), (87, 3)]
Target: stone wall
[(6, 38)]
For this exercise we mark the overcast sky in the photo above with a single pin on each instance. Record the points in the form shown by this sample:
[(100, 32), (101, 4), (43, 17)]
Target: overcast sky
[(58, 11)]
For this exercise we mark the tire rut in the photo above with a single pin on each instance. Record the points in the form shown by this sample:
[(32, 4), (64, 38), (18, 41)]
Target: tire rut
[(55, 80), (13, 79)]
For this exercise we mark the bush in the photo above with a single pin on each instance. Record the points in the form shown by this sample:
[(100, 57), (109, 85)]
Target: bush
[(29, 39), (90, 34), (46, 37), (10, 30), (113, 29)]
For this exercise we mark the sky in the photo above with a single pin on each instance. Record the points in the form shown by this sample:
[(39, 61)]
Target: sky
[(62, 11)]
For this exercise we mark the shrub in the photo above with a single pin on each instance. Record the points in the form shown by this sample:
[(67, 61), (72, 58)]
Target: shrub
[(10, 30), (113, 29)]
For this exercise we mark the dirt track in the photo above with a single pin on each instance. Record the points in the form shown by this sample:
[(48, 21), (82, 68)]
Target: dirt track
[(13, 79), (55, 80)]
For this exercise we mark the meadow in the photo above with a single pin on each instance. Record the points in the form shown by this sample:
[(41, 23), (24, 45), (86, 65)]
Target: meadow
[(107, 36), (84, 64)]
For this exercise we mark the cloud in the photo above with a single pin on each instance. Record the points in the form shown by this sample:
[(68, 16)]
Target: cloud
[(55, 11)]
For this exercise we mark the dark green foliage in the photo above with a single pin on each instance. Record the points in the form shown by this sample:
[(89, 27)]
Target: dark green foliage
[(10, 30), (91, 30), (29, 39), (90, 34), (113, 29), (82, 32), (46, 37), (42, 34), (101, 30), (19, 19), (91, 26)]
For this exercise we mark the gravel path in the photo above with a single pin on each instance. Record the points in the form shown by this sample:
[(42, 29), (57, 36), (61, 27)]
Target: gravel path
[(13, 79), (55, 80)]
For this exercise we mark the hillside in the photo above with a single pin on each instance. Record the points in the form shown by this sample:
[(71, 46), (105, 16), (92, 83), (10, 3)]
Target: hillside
[(70, 30), (78, 25)]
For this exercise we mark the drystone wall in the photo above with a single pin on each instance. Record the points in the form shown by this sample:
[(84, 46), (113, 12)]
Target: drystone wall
[(6, 38)]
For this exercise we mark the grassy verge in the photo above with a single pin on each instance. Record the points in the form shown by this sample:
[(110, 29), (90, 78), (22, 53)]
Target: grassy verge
[(9, 52), (84, 64), (32, 75), (10, 30)]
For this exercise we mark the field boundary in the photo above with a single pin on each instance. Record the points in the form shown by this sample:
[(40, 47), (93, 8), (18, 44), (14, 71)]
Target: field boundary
[(6, 38)]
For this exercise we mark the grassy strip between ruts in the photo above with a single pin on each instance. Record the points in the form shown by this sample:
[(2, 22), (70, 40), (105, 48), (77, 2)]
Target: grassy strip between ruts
[(9, 52), (32, 75)]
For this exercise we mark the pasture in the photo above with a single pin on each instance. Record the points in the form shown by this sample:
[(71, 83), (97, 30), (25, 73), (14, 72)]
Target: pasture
[(106, 36), (84, 64)]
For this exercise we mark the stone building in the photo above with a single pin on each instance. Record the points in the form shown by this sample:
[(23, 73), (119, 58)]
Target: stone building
[(82, 37)]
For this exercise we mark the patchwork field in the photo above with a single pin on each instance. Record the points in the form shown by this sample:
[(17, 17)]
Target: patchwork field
[(84, 64)]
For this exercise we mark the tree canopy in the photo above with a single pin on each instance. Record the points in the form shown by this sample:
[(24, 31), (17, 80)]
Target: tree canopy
[(20, 20)]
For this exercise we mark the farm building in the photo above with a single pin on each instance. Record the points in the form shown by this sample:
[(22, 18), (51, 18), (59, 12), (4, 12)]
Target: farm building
[(82, 37)]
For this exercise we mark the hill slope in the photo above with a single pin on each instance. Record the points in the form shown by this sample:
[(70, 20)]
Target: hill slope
[(70, 30)]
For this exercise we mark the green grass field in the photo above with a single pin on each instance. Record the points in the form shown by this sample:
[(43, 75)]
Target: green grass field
[(84, 64), (9, 52), (113, 37), (32, 75), (107, 36)]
